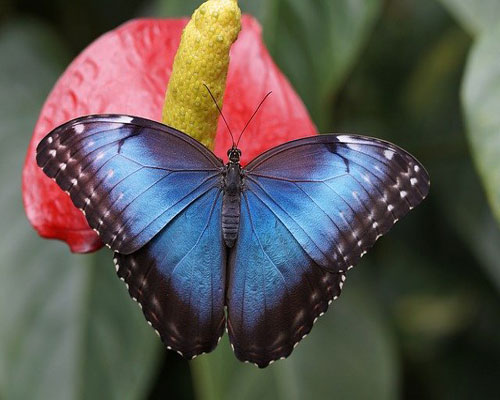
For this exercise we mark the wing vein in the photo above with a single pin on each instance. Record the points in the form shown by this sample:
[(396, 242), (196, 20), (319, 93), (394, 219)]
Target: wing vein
[(260, 244), (169, 169), (270, 209), (331, 220), (197, 240), (177, 202), (113, 188)]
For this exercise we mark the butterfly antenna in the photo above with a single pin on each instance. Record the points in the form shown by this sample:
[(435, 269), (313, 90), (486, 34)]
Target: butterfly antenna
[(253, 115), (220, 112)]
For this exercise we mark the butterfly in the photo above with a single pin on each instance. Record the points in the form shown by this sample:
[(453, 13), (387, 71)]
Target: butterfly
[(202, 245)]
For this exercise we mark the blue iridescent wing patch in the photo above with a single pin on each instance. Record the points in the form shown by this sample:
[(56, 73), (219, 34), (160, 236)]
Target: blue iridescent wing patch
[(178, 278), (310, 209), (129, 175)]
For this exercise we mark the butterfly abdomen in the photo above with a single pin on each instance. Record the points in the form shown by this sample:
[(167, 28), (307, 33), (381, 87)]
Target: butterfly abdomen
[(230, 218), (231, 204)]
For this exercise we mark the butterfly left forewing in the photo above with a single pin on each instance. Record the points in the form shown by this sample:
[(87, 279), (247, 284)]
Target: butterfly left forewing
[(312, 208), (129, 175)]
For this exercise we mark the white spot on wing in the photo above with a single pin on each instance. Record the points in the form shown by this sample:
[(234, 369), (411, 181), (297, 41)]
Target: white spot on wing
[(79, 128), (388, 154), (355, 147), (124, 119)]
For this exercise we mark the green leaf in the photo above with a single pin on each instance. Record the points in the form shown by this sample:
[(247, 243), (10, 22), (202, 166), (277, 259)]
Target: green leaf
[(430, 99), (481, 103), (177, 8), (348, 355), (466, 210), (316, 43), (476, 16), (185, 8), (67, 327)]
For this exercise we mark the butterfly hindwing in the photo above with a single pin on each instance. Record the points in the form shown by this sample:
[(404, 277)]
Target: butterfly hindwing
[(310, 209), (179, 278), (275, 289), (129, 175)]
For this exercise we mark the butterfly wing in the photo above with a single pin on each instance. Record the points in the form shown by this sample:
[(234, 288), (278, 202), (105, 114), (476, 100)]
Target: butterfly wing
[(310, 210), (129, 175), (154, 196), (178, 278)]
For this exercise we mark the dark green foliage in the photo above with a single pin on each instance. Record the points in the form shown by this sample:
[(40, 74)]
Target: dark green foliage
[(419, 317)]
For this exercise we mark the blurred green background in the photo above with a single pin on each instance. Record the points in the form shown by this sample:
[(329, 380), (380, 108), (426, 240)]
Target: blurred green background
[(419, 317)]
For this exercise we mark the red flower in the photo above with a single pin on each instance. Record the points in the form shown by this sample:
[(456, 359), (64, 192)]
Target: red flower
[(126, 71)]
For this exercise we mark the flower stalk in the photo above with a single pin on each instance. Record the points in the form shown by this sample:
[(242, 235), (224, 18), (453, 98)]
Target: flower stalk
[(202, 59)]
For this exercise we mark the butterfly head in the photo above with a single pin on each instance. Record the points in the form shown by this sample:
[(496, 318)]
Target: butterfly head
[(234, 154)]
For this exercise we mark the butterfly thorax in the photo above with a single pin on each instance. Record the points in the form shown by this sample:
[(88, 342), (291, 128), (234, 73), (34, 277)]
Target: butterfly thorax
[(232, 197)]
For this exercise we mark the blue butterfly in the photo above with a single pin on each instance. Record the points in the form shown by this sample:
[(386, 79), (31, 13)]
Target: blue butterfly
[(203, 245)]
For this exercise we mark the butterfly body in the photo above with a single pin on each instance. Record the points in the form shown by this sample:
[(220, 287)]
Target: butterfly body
[(261, 249), (231, 200)]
